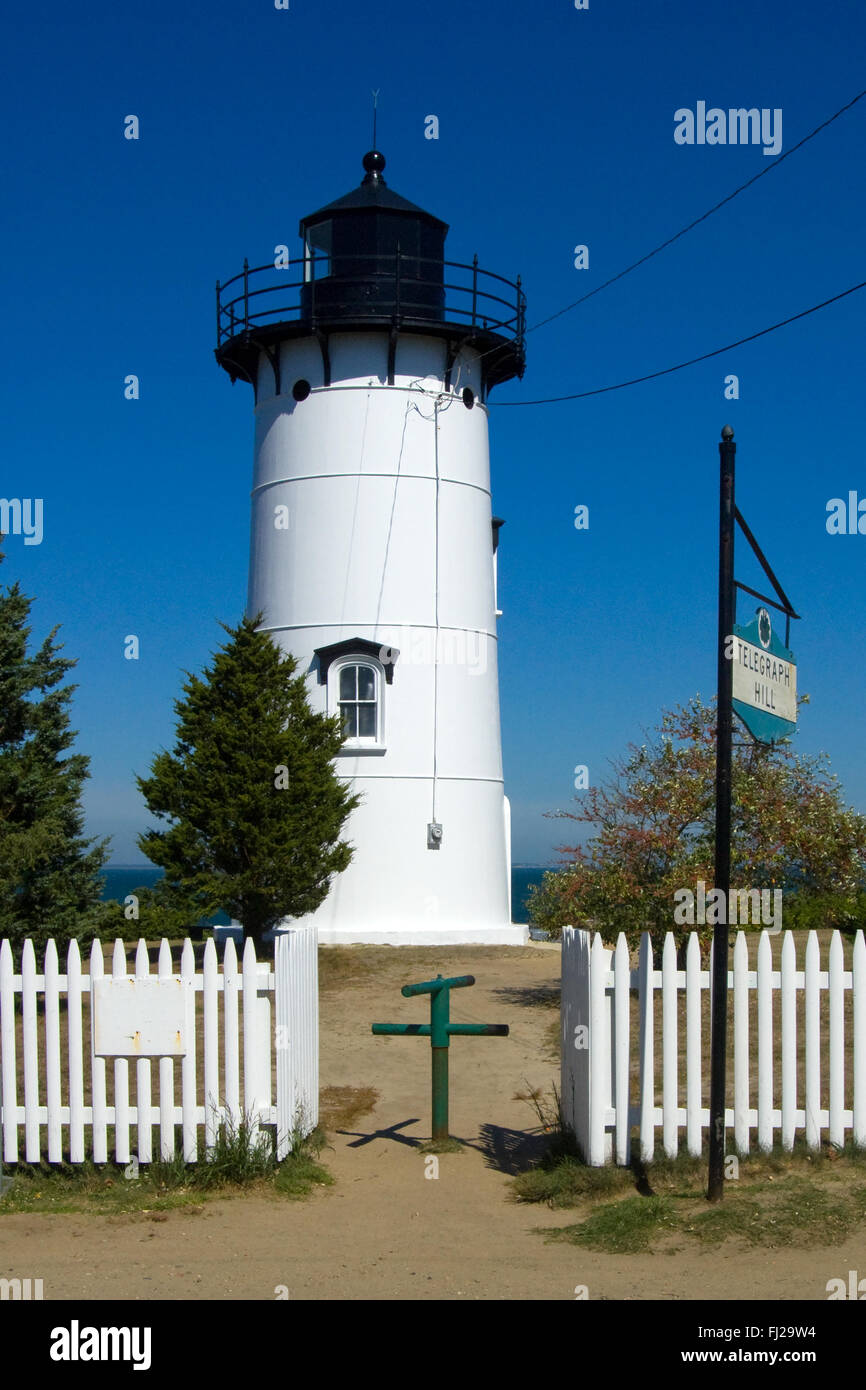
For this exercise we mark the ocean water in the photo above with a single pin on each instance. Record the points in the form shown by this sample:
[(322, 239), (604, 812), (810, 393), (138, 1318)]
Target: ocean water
[(120, 880), (523, 876)]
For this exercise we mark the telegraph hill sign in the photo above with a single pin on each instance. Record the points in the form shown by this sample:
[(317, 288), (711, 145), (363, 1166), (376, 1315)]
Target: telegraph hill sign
[(764, 680)]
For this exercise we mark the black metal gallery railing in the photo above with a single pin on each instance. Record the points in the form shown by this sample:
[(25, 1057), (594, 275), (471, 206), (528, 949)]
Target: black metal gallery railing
[(399, 288)]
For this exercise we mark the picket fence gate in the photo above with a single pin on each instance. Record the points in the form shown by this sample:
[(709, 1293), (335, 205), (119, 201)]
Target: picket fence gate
[(600, 1106), (225, 1063)]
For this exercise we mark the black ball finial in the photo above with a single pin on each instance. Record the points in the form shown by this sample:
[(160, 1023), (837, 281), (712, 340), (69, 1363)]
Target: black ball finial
[(727, 433), (374, 163)]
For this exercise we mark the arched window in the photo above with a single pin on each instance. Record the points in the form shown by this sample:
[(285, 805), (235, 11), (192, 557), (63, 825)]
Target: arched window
[(357, 672), (359, 701)]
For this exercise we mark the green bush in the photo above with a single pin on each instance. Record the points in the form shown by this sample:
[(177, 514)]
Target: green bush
[(552, 905), (808, 911)]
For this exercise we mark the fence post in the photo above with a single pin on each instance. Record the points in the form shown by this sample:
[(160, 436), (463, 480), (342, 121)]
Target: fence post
[(566, 1010), (741, 1043), (622, 1045), (789, 1041), (813, 1043), (694, 1128), (121, 1068), (252, 1097), (143, 1073), (646, 1118), (837, 1043), (599, 1052), (52, 1052), (576, 1035), (165, 970), (31, 1054), (858, 989), (670, 1058), (9, 1088), (188, 1067), (74, 1024), (232, 1098), (296, 1002), (264, 1038), (210, 1003), (765, 1044), (99, 1132)]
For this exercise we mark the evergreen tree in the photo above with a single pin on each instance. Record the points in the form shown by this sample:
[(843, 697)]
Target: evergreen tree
[(50, 881), (255, 803)]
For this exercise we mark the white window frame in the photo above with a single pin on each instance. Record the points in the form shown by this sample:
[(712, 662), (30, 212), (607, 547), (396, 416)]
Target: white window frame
[(311, 252), (362, 743)]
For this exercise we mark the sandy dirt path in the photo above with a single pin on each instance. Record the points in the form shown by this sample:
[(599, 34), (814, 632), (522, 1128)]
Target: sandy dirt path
[(385, 1230)]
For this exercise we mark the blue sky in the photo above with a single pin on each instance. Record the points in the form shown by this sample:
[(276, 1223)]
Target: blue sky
[(556, 129)]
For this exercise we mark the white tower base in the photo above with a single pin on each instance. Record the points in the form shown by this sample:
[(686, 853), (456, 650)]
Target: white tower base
[(471, 935)]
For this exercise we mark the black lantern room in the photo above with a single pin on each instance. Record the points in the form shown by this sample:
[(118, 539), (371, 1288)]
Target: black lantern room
[(371, 260), (374, 253)]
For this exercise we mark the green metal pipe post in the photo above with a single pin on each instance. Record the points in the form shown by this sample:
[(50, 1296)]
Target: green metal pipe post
[(440, 1092), (440, 1015), (439, 1031), (434, 986)]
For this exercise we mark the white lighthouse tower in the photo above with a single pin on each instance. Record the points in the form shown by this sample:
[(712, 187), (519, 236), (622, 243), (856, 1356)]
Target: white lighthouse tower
[(373, 551)]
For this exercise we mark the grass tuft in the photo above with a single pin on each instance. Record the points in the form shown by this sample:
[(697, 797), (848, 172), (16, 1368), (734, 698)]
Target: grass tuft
[(441, 1146), (622, 1228), (240, 1160), (569, 1181), (300, 1170), (240, 1155), (779, 1199)]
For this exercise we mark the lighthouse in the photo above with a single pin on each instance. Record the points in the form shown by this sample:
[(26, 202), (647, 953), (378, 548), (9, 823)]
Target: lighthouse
[(373, 548)]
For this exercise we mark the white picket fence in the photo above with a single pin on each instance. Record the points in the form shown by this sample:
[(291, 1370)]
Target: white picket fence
[(818, 1083), (223, 1057)]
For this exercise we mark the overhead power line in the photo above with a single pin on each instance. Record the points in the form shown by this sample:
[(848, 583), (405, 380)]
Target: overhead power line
[(704, 357), (703, 217)]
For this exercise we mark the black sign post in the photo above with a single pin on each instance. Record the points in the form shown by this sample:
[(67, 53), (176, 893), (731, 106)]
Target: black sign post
[(722, 880), (768, 730)]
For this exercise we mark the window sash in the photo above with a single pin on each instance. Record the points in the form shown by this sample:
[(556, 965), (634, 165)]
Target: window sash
[(359, 701)]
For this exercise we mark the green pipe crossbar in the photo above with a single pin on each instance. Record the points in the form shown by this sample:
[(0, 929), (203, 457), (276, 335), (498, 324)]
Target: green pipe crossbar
[(440, 1030)]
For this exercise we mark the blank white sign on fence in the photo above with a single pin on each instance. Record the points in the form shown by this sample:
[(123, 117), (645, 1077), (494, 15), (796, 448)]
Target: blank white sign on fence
[(142, 1018)]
